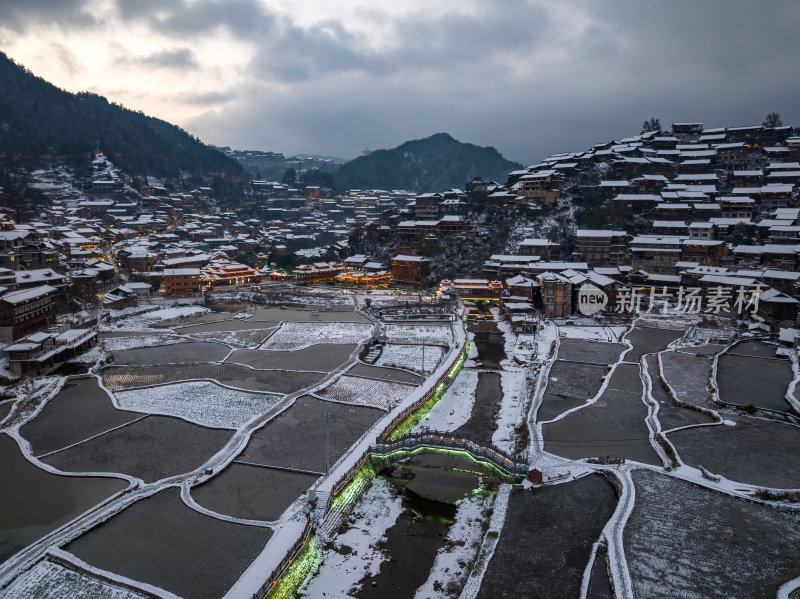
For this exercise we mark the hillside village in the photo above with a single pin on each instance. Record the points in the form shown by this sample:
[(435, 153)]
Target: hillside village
[(688, 208)]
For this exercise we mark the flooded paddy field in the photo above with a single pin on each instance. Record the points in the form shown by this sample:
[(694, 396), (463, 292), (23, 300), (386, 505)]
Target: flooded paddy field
[(201, 402), (161, 541), (34, 502), (708, 544), (576, 379), (5, 408), (754, 349), (152, 448), (322, 315), (488, 396), (599, 581), (244, 339), (755, 451), (176, 353), (53, 581), (297, 437), (235, 324), (758, 381), (252, 492), (554, 405), (626, 378), (80, 410), (231, 375), (206, 317), (546, 542), (688, 374), (613, 425), (361, 391), (323, 357), (646, 340), (671, 415), (580, 350), (386, 374)]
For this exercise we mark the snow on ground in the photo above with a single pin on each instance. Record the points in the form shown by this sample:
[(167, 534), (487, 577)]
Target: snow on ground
[(199, 402), (514, 387), (595, 333), (137, 319), (5, 372), (91, 357), (455, 407), (354, 555), (410, 357), (366, 392), (298, 335), (137, 341), (48, 580), (453, 562), (417, 332)]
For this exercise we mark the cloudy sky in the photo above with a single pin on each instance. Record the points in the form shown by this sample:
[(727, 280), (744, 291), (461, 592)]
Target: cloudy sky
[(338, 77)]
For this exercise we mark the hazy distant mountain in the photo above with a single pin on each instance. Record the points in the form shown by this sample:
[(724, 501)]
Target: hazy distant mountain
[(435, 163), (38, 119)]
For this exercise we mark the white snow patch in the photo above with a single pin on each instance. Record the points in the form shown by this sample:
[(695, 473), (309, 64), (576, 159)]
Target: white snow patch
[(455, 406), (416, 332), (410, 357), (199, 402), (611, 334), (366, 392), (299, 335)]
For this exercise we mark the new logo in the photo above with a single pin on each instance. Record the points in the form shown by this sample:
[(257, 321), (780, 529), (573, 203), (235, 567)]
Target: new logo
[(591, 299)]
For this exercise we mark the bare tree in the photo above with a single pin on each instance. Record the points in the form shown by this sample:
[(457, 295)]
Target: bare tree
[(773, 120), (652, 124)]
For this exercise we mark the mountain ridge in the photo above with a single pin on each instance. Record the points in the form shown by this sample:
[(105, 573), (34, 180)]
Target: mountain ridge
[(433, 163)]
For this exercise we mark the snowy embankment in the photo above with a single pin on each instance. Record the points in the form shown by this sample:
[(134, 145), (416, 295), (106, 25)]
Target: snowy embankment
[(299, 335), (354, 554), (418, 358), (203, 403), (452, 565), (598, 333)]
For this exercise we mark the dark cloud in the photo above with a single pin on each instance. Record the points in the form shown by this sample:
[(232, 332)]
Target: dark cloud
[(21, 15), (174, 58), (294, 53), (246, 19)]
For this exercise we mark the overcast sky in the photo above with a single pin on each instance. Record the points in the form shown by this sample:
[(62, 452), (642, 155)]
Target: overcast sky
[(338, 77)]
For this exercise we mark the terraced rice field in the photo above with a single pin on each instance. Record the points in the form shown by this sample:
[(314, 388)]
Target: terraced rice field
[(160, 541), (231, 375)]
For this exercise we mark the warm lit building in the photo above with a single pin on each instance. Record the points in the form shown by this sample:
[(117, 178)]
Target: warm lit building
[(410, 271), (227, 273), (181, 282), (556, 294), (473, 288), (26, 311)]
